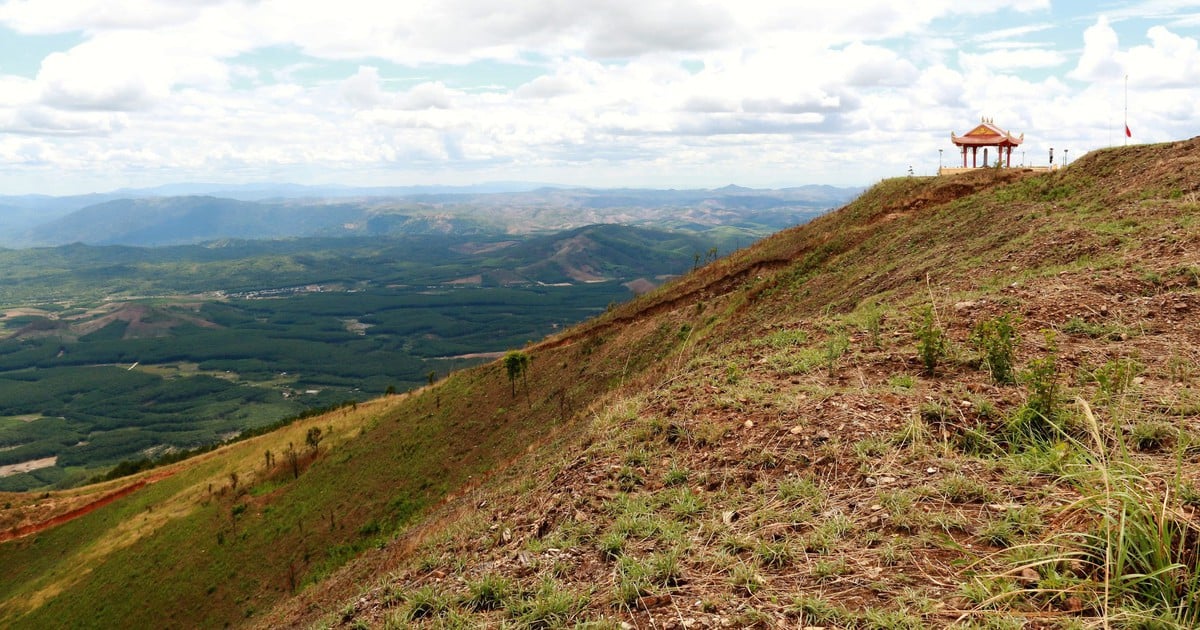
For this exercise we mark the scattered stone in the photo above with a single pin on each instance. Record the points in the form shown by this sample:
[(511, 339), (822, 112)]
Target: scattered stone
[(822, 436), (625, 625), (876, 507), (795, 430), (1138, 380), (506, 535), (1104, 309), (871, 481), (728, 517), (887, 480), (965, 305), (931, 470), (1028, 576), (749, 424), (437, 574)]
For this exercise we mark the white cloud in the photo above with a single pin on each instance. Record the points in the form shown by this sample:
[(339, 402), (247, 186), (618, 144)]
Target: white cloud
[(1007, 60), (1170, 61), (363, 89), (611, 91), (1100, 49), (1008, 34)]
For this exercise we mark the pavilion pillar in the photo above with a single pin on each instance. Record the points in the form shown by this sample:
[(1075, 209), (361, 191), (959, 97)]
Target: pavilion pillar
[(964, 152), (974, 157), (1008, 162)]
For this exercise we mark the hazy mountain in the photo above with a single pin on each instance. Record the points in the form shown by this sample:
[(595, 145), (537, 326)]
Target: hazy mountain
[(148, 218)]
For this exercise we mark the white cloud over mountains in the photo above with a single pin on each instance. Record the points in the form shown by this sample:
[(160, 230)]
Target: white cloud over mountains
[(599, 92)]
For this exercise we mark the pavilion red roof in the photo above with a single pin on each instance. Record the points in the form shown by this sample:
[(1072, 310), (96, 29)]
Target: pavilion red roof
[(986, 134)]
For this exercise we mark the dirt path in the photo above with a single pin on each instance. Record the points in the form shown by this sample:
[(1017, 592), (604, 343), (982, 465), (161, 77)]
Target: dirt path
[(34, 528)]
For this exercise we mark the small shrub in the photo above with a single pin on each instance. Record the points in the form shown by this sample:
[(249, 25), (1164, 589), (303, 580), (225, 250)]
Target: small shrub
[(426, 602), (774, 555), (831, 568), (487, 593), (814, 610), (628, 479), (612, 545), (551, 607), (913, 433), (797, 489), (1116, 376), (873, 322), (997, 339), (1012, 526), (959, 488), (1151, 435), (687, 505), (872, 447), (676, 476), (931, 340), (746, 580), (785, 339), (989, 592), (1038, 421), (835, 347)]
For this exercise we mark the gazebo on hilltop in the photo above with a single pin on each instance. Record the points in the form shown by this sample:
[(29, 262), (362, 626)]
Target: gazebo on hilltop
[(987, 134)]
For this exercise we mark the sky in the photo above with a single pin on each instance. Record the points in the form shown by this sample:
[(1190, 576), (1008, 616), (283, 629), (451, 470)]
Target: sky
[(97, 95)]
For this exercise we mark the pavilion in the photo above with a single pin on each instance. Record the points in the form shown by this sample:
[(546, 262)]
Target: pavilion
[(987, 135)]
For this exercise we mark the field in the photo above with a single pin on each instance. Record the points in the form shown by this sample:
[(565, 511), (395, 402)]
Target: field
[(113, 354)]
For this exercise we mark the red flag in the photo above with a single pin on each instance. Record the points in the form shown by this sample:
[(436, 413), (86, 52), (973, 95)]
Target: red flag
[(1128, 134)]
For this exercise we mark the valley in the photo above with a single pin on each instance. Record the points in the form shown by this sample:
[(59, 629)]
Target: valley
[(121, 353), (954, 402)]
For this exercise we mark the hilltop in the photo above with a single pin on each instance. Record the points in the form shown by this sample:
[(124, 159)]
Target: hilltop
[(937, 405)]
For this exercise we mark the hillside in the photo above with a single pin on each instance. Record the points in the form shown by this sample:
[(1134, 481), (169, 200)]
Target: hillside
[(970, 400)]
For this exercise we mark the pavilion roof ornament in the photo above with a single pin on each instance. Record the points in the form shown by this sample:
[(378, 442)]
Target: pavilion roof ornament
[(987, 134)]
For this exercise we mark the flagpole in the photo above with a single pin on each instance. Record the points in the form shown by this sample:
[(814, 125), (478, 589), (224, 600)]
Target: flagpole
[(1126, 110)]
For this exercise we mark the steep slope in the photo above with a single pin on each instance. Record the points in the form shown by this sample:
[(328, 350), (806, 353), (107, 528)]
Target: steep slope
[(755, 444), (788, 462)]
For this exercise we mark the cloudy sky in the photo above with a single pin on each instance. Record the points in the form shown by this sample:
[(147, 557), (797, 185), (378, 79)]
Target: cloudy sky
[(102, 94)]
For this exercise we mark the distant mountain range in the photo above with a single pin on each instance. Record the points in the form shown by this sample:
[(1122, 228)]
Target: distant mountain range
[(194, 213)]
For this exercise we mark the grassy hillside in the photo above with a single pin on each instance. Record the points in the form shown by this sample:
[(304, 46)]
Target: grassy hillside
[(959, 401)]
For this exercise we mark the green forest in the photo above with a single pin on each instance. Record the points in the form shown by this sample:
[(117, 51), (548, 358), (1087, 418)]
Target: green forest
[(110, 354)]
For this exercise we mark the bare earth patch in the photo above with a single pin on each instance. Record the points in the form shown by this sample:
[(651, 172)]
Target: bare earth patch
[(23, 467)]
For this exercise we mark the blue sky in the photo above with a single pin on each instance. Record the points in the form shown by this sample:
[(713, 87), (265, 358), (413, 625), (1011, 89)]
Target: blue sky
[(102, 94)]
